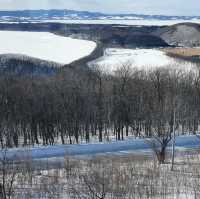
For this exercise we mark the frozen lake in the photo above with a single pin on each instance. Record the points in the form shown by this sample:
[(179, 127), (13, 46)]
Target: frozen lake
[(45, 45)]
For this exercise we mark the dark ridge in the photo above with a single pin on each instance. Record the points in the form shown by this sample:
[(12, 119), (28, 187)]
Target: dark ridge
[(134, 41), (21, 65)]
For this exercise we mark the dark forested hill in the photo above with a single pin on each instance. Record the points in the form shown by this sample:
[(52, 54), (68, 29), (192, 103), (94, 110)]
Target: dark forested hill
[(14, 64)]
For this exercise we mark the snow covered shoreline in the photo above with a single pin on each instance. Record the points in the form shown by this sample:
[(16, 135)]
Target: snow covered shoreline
[(45, 46)]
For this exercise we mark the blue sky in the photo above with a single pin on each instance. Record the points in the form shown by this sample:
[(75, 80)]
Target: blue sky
[(166, 7)]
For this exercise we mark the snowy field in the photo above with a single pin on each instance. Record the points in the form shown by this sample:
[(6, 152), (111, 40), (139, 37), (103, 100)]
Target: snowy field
[(141, 59), (140, 22), (44, 45)]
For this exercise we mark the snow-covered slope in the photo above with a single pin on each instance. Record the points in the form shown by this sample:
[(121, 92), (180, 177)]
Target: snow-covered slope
[(184, 34), (141, 59), (45, 46)]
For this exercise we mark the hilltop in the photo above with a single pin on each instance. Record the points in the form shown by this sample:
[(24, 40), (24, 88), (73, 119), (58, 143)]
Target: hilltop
[(183, 34)]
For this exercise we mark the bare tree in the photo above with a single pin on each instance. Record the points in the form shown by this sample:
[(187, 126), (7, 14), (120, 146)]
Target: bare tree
[(8, 173)]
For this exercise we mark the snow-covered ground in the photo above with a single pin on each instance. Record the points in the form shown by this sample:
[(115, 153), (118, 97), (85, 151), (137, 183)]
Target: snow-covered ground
[(138, 146), (141, 59), (140, 22), (44, 45)]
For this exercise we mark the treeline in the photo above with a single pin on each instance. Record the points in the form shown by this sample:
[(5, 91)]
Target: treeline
[(78, 105)]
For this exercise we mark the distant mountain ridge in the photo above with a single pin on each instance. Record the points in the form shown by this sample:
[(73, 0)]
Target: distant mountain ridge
[(37, 15)]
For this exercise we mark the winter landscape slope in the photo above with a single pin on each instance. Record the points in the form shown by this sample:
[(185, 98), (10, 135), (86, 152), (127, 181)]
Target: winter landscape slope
[(62, 50), (140, 59), (61, 47), (184, 34)]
